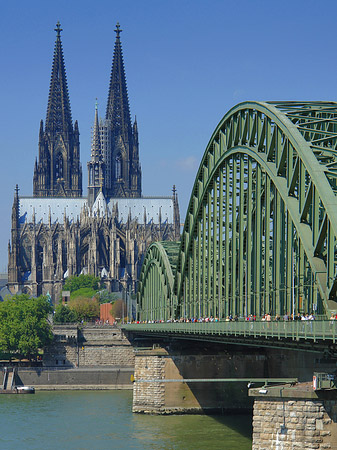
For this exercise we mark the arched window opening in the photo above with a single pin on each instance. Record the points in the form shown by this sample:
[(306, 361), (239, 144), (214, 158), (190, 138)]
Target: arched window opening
[(96, 182), (118, 167), (59, 166)]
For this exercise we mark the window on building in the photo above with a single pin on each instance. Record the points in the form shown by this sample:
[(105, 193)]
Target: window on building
[(59, 166), (118, 167)]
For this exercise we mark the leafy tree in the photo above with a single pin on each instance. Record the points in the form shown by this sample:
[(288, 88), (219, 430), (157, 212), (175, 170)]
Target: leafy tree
[(81, 281), (84, 308), (24, 327), (118, 309), (86, 292), (104, 296), (63, 314)]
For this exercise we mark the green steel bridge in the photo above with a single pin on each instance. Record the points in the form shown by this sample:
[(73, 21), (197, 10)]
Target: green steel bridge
[(260, 233)]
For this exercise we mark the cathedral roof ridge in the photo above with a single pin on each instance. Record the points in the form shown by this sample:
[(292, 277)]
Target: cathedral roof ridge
[(157, 197)]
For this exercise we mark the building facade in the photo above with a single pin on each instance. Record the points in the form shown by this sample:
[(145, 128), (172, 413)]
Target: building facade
[(58, 232)]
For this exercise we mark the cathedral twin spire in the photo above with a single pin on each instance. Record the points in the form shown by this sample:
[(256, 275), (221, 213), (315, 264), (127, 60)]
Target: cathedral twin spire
[(58, 171), (118, 111), (119, 139), (58, 111), (114, 166)]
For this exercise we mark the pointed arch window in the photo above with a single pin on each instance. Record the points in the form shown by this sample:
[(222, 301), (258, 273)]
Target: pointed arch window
[(96, 181), (90, 176), (118, 167), (59, 166)]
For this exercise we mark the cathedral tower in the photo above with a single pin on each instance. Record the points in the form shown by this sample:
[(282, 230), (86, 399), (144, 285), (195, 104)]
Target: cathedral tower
[(58, 171), (120, 138)]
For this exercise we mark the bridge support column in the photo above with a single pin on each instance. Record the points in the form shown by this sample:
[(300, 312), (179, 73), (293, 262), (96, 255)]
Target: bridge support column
[(160, 386), (149, 396), (294, 417)]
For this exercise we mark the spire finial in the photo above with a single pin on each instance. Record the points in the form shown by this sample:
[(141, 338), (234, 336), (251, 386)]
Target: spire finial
[(58, 29), (96, 105), (117, 30)]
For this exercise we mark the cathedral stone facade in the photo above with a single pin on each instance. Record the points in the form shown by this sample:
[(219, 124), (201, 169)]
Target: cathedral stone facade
[(57, 232)]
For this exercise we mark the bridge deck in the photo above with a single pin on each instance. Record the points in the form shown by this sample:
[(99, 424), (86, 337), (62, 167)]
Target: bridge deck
[(292, 332)]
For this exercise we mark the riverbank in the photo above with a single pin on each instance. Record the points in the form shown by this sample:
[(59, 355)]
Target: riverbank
[(88, 378)]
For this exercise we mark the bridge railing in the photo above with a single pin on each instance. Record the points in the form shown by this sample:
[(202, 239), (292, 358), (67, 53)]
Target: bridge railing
[(295, 330)]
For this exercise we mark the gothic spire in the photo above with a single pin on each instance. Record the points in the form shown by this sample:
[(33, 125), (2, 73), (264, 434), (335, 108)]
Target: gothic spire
[(118, 111), (96, 153), (58, 111)]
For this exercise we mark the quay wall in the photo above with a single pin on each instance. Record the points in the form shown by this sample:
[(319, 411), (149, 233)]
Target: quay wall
[(88, 346), (53, 379), (86, 357)]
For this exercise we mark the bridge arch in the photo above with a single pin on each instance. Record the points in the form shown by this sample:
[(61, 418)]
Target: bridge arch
[(155, 298), (261, 226)]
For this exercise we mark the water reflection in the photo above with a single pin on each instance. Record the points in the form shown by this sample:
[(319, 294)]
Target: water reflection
[(194, 432)]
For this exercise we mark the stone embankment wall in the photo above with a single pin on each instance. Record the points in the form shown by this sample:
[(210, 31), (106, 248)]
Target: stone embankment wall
[(54, 379), (88, 346), (89, 357), (298, 423)]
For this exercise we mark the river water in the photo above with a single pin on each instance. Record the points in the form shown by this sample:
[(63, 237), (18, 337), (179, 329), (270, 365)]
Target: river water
[(102, 420)]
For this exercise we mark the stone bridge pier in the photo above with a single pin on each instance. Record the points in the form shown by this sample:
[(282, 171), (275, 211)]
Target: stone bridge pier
[(165, 375), (291, 417), (164, 381)]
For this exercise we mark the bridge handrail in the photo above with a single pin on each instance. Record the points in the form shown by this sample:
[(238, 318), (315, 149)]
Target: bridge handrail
[(294, 330)]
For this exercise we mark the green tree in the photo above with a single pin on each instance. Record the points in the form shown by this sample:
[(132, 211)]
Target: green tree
[(104, 296), (81, 281), (24, 327), (84, 308), (86, 292), (118, 309), (63, 314)]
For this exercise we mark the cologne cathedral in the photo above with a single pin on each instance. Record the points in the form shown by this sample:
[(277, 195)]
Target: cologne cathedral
[(58, 232)]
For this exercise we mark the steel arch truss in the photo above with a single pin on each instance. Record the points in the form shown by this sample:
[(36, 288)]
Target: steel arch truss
[(261, 226), (155, 292)]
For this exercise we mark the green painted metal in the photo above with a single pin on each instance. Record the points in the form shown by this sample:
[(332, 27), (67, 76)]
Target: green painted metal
[(155, 294), (260, 234), (296, 331)]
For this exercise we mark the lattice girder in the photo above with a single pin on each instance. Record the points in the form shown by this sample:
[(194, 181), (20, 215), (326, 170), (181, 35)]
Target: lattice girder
[(261, 226), (303, 191), (155, 293)]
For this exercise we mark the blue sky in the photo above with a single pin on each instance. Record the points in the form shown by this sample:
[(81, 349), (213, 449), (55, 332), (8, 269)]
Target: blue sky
[(187, 63)]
